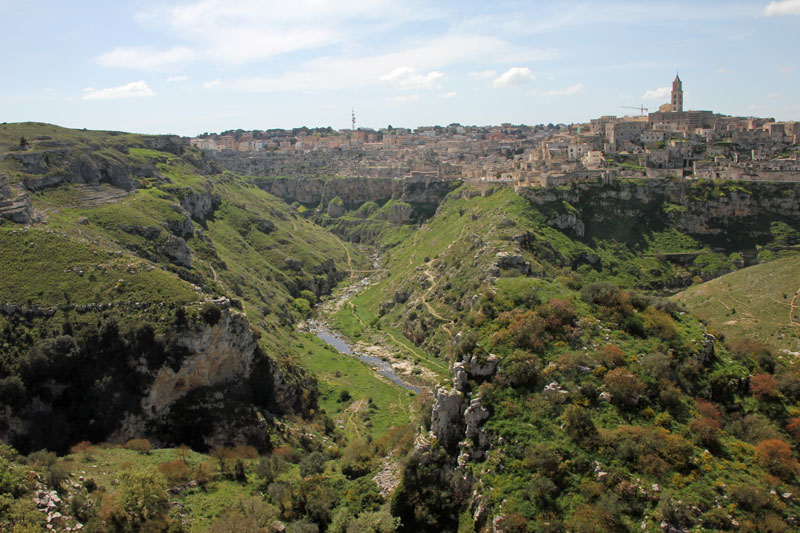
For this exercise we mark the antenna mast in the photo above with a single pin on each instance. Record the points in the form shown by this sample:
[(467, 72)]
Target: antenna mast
[(353, 112)]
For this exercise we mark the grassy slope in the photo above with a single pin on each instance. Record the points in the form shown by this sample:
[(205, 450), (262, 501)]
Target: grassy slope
[(752, 303)]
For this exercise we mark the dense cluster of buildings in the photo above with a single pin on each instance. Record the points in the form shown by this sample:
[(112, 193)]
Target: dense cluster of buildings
[(669, 143)]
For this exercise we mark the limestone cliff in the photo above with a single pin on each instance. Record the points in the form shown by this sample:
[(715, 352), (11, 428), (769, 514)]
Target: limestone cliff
[(219, 353), (727, 210), (353, 191)]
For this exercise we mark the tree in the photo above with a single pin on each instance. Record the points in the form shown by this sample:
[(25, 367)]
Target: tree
[(143, 498)]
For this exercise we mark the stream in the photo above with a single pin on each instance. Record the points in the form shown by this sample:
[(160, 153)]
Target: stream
[(322, 329), (324, 333)]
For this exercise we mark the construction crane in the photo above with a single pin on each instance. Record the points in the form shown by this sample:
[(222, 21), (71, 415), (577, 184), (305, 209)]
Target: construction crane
[(641, 108)]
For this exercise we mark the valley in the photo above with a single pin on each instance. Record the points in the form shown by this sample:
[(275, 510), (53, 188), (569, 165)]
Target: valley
[(186, 347)]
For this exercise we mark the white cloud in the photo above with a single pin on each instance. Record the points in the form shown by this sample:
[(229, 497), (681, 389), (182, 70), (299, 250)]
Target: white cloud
[(514, 77), (483, 75), (657, 94), (332, 73), (132, 90), (407, 78), (723, 71), (242, 31), (775, 96), (403, 98), (212, 83), (783, 7), (145, 58), (785, 71), (173, 79), (449, 95)]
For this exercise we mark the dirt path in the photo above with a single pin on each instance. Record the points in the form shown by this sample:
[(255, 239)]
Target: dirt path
[(353, 411), (792, 321)]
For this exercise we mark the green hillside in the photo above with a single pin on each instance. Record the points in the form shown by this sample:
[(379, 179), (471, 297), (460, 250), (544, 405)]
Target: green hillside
[(159, 371), (758, 303), (610, 409)]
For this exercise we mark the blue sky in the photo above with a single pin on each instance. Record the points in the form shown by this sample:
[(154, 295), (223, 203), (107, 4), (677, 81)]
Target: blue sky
[(208, 65)]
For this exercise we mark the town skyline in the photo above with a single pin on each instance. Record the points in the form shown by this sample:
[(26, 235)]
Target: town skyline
[(207, 65)]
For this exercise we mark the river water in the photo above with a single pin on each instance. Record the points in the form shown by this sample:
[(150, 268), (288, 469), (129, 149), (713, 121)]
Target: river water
[(383, 368)]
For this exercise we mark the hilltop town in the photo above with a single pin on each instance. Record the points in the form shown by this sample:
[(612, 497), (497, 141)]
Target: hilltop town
[(668, 143)]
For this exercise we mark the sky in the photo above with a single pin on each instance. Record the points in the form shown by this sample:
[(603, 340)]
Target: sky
[(194, 66)]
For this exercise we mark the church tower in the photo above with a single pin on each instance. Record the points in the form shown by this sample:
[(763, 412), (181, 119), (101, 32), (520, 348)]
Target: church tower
[(677, 95)]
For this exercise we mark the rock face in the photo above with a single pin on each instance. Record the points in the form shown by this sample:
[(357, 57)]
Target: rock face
[(359, 190), (198, 204), (399, 213), (474, 417), (221, 353), (447, 419), (698, 208), (177, 251), (511, 261), (13, 207)]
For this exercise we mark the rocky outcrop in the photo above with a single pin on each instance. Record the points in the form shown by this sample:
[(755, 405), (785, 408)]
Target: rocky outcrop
[(220, 353), (14, 207), (176, 249), (569, 221), (199, 204), (474, 417), (181, 227), (447, 417), (510, 261)]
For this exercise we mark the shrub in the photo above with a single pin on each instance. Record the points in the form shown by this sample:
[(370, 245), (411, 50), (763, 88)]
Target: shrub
[(313, 463), (520, 369), (793, 427), (210, 313), (308, 295), (624, 386), (611, 356), (776, 456), (303, 307), (707, 431), (750, 497), (525, 329), (659, 323), (79, 447), (357, 459), (579, 425), (590, 518), (175, 472), (140, 445), (269, 468), (764, 387), (204, 473)]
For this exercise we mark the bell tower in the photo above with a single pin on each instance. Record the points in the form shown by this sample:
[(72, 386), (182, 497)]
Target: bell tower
[(677, 95)]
